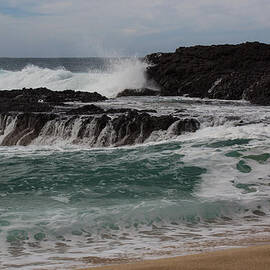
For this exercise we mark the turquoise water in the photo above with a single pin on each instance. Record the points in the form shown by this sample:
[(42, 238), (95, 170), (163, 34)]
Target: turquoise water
[(118, 202), (90, 184)]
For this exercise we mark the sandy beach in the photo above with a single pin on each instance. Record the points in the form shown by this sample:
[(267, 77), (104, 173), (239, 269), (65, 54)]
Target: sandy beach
[(250, 258)]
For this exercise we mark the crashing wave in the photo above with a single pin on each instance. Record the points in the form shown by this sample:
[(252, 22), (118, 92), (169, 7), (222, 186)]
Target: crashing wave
[(117, 76)]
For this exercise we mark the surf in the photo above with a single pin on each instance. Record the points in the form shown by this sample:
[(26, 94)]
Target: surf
[(113, 77)]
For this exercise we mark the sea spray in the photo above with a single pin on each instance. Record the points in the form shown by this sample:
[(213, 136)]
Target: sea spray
[(114, 76)]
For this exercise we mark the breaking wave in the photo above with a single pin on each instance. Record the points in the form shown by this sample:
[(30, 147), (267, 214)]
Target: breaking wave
[(110, 80)]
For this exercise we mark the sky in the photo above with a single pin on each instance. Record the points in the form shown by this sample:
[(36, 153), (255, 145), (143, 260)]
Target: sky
[(81, 28)]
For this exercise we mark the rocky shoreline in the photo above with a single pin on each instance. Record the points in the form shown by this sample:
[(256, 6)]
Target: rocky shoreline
[(43, 116), (42, 99), (231, 72)]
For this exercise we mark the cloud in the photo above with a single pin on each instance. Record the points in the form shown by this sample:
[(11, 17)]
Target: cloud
[(94, 27)]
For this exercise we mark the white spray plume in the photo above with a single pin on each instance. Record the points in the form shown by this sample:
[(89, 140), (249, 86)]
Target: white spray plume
[(119, 75)]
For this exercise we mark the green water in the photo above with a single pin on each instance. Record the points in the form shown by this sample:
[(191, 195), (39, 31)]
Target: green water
[(85, 199)]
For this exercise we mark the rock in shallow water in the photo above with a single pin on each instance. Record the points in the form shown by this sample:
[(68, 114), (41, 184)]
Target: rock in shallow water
[(138, 92), (89, 125), (93, 130), (42, 99), (24, 127), (87, 109)]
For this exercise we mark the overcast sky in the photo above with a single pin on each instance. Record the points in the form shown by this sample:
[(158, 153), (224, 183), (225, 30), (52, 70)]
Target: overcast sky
[(55, 28)]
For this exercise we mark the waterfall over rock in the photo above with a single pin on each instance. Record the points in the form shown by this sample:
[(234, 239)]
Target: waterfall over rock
[(91, 130)]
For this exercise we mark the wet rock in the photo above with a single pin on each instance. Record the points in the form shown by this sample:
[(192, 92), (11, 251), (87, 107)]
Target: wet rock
[(41, 115), (26, 128), (93, 109), (42, 99), (258, 213), (218, 71), (86, 110), (126, 110), (94, 130), (14, 106), (259, 92), (185, 125), (138, 92), (137, 127), (118, 110), (79, 96)]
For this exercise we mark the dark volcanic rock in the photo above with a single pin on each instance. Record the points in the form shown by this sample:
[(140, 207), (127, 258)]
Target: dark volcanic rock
[(137, 127), (185, 125), (259, 92), (126, 110), (87, 109), (79, 96), (42, 99), (218, 71), (14, 106), (21, 120), (93, 130), (138, 92), (93, 109), (27, 127)]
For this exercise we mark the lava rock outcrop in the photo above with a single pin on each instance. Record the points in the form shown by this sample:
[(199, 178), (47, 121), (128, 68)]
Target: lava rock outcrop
[(216, 72)]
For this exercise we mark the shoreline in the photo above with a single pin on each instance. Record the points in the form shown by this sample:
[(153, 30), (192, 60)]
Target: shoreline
[(244, 258)]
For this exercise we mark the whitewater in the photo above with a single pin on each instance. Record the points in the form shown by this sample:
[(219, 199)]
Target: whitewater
[(107, 76), (64, 205)]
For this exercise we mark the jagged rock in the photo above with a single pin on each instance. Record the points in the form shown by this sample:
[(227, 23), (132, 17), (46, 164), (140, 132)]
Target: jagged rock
[(89, 125), (93, 130), (126, 110), (185, 125), (87, 109), (14, 106), (42, 99), (71, 96), (137, 127), (138, 92), (93, 109), (26, 128), (218, 71), (118, 110), (259, 92)]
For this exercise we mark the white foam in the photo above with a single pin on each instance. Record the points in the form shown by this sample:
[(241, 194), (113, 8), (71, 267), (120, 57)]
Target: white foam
[(122, 74), (7, 123)]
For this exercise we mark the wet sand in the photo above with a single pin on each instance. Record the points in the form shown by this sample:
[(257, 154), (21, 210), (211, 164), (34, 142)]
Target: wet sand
[(251, 258)]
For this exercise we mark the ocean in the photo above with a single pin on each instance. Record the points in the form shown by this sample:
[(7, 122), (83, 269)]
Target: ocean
[(64, 205), (108, 76)]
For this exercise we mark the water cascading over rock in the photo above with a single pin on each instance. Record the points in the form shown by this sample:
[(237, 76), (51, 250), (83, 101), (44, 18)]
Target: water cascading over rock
[(92, 130)]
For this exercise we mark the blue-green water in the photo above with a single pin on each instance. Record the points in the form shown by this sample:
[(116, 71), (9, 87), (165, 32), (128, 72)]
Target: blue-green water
[(127, 202)]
